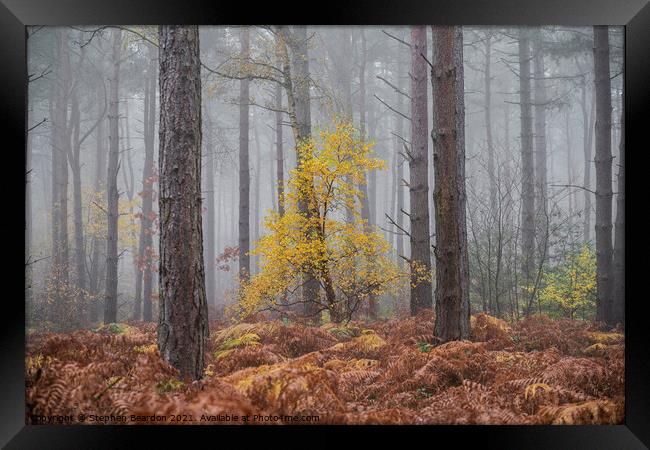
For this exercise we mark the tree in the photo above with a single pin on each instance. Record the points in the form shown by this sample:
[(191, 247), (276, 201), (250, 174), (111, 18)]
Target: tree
[(421, 295), (244, 169), (603, 161), (279, 148), (618, 298), (541, 200), (452, 268), (113, 196), (183, 317), (527, 171), (348, 261), (295, 58), (145, 248)]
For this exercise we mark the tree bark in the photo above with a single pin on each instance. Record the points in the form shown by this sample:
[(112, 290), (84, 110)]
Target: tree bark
[(541, 193), (279, 148), (110, 299), (603, 160), (244, 169), (421, 295), (183, 317), (527, 169), (210, 256), (452, 269), (618, 309), (297, 83)]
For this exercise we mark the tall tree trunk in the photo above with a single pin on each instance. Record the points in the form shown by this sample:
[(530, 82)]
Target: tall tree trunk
[(258, 176), (28, 221), (110, 300), (452, 269), (365, 200), (183, 316), (399, 166), (541, 200), (527, 169), (210, 257), (244, 169), (618, 297), (421, 295), (279, 155), (603, 160), (60, 148), (148, 273), (588, 119), (98, 243), (487, 87), (296, 68), (80, 251)]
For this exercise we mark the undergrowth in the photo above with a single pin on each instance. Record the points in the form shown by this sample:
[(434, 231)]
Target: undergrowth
[(537, 371)]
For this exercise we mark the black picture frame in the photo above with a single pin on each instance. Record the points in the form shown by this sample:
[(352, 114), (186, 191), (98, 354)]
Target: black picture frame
[(15, 15)]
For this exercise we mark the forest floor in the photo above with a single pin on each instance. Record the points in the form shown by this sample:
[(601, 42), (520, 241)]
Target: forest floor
[(537, 371)]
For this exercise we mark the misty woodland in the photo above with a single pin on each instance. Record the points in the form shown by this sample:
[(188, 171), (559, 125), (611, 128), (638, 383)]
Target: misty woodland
[(332, 225)]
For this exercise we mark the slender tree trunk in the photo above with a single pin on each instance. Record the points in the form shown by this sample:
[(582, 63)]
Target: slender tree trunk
[(452, 269), (527, 169), (258, 176), (421, 295), (540, 149), (487, 83), (618, 308), (110, 300), (399, 167), (244, 169), (98, 243), (588, 119), (603, 160), (183, 314), (279, 156), (210, 257), (299, 102), (28, 221), (365, 200), (80, 251), (148, 273)]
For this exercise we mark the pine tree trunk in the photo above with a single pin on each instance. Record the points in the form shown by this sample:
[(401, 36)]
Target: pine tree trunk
[(541, 193), (183, 314), (421, 295), (244, 169), (210, 257), (110, 300), (148, 273), (603, 160), (279, 148), (452, 269), (98, 244), (618, 309), (587, 143), (527, 170)]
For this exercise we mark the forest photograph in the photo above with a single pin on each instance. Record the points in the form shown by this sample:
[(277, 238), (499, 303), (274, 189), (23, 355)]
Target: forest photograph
[(325, 225)]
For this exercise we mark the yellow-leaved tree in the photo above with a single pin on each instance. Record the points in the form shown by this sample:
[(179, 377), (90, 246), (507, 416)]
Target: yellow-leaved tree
[(571, 287), (350, 261)]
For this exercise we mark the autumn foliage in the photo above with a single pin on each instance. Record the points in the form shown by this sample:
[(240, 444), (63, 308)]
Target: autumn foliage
[(537, 371)]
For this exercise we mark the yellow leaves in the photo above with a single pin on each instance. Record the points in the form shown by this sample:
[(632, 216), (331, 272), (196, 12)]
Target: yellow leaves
[(531, 390), (572, 285), (226, 347), (146, 349), (606, 338), (351, 256)]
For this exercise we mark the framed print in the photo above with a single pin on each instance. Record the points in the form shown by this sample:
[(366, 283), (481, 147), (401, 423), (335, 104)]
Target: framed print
[(405, 217)]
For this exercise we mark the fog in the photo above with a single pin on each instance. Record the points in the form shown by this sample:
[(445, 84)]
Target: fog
[(362, 73)]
